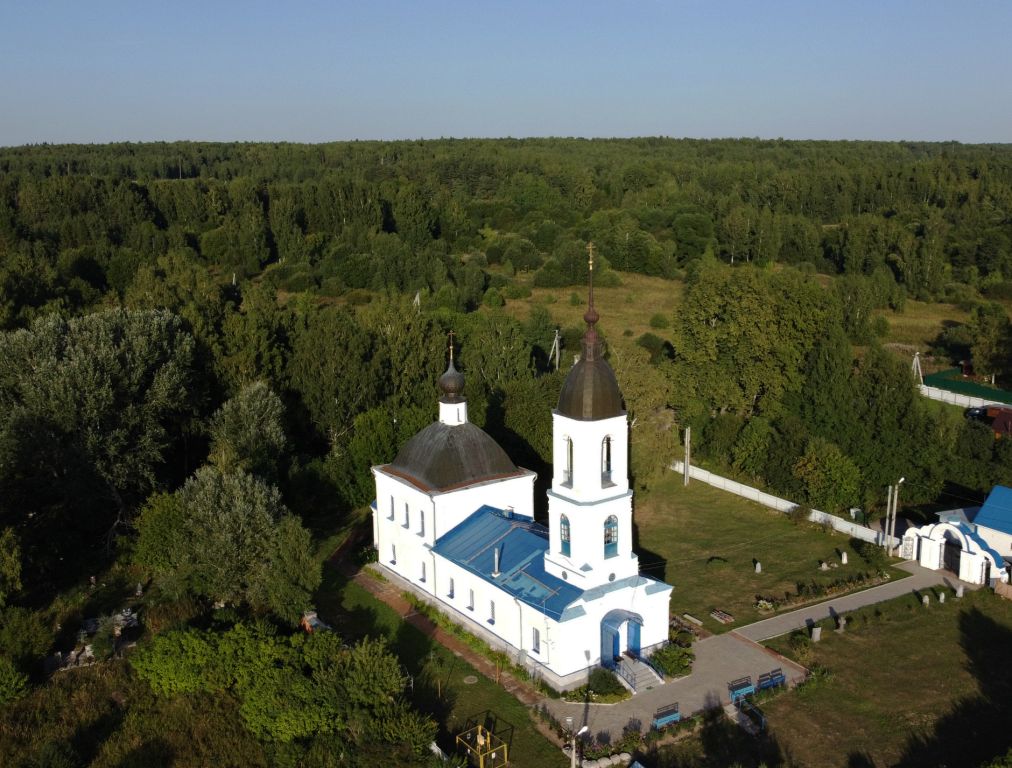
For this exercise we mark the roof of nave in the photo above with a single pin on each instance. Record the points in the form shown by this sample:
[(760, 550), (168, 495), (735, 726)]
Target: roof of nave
[(522, 544)]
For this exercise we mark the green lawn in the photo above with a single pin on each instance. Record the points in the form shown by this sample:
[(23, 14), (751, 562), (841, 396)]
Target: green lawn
[(703, 541), (451, 701), (907, 686)]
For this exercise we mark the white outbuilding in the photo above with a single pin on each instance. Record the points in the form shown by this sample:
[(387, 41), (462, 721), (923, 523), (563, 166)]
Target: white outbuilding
[(454, 517), (975, 544)]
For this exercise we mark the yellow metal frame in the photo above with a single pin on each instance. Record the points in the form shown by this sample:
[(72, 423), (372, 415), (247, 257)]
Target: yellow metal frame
[(484, 749)]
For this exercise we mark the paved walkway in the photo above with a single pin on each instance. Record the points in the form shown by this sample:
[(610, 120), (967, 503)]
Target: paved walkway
[(719, 659), (921, 579)]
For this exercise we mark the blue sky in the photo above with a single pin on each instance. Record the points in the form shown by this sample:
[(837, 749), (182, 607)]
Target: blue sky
[(319, 71)]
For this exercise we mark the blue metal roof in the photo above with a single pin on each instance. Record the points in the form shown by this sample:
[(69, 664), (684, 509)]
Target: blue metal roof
[(522, 544), (997, 510)]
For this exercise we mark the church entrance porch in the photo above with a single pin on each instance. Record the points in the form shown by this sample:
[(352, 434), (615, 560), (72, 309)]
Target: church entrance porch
[(620, 634)]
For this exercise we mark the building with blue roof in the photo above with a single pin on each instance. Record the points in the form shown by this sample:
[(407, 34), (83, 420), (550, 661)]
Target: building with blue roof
[(454, 521), (975, 544)]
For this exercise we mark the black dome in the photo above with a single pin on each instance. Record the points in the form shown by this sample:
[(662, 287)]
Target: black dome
[(444, 456), (591, 391), (451, 384)]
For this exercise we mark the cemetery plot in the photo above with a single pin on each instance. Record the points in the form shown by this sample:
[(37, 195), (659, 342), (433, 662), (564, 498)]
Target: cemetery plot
[(706, 543)]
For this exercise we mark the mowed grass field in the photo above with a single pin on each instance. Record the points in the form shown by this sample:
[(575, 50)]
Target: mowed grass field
[(906, 686), (920, 323), (704, 542)]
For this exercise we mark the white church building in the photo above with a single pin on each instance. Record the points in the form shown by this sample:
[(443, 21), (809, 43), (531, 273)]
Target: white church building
[(455, 517), (973, 543)]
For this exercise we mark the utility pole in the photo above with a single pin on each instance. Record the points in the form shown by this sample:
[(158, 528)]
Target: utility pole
[(896, 503), (688, 455), (916, 368), (888, 517), (554, 352)]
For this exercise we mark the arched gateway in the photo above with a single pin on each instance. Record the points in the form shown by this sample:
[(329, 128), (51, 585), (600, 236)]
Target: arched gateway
[(953, 546), (620, 633)]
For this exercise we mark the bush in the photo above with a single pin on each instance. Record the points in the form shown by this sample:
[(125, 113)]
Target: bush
[(358, 297), (24, 636), (673, 660), (798, 514), (514, 291), (12, 682), (659, 320), (604, 682), (493, 298), (872, 554)]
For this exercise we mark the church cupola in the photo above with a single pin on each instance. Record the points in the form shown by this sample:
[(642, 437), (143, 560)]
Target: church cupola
[(591, 391), (452, 403)]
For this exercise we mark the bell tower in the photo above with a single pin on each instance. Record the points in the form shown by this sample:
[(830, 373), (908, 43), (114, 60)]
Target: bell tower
[(590, 502)]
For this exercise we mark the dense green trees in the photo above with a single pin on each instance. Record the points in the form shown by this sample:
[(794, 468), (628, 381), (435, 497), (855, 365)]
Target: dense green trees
[(226, 536), (92, 408), (295, 688)]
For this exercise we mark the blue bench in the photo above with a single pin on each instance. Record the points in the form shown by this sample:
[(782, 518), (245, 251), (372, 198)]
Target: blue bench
[(740, 688), (772, 679), (666, 716)]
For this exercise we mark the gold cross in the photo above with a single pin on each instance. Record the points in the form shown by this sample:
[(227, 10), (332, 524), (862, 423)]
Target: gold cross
[(590, 251), (451, 345)]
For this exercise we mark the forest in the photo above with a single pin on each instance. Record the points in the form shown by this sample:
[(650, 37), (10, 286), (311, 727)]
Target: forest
[(205, 347)]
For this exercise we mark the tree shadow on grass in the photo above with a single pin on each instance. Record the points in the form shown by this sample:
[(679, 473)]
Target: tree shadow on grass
[(977, 728), (154, 753), (724, 745)]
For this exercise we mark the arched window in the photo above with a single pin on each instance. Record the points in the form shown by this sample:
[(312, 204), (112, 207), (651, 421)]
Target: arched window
[(564, 534), (567, 473), (606, 462), (611, 536)]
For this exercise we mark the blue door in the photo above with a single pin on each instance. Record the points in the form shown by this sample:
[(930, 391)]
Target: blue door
[(609, 643), (634, 639)]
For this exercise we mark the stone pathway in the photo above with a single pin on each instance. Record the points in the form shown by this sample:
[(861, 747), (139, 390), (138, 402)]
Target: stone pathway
[(922, 579)]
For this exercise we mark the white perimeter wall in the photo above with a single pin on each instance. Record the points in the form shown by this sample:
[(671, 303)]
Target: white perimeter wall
[(783, 505)]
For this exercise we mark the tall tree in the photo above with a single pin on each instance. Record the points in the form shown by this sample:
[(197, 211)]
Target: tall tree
[(91, 407), (228, 537)]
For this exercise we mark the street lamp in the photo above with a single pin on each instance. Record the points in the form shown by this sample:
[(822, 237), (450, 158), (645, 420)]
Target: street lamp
[(572, 752), (896, 507)]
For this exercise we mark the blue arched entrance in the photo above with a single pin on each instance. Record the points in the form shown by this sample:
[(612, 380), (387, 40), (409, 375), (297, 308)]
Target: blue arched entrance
[(620, 633)]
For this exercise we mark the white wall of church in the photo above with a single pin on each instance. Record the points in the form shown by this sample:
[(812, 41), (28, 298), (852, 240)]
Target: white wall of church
[(577, 644), (565, 648), (407, 516), (476, 600)]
